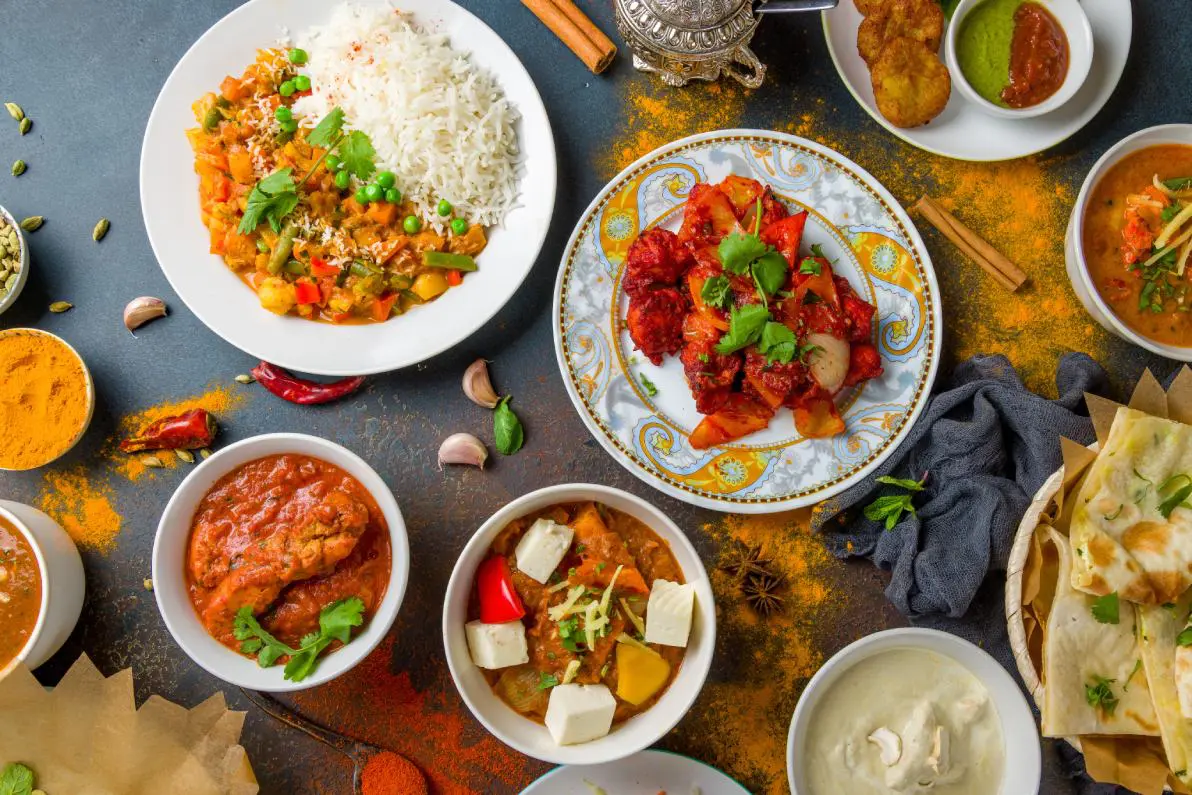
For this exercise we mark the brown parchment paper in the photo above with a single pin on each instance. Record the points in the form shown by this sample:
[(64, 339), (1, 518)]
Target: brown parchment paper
[(86, 737), (1137, 763)]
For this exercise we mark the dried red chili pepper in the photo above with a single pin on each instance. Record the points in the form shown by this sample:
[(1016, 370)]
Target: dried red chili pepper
[(300, 390), (190, 431)]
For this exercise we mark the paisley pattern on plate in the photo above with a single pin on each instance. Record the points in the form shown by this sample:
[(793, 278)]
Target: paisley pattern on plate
[(873, 245)]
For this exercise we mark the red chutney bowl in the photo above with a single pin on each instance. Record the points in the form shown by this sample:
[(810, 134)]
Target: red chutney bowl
[(170, 582)]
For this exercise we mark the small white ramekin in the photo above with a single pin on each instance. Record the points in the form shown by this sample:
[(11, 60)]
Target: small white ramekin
[(169, 564), (10, 298), (62, 582), (1023, 758), (1074, 254), (529, 737), (1079, 33)]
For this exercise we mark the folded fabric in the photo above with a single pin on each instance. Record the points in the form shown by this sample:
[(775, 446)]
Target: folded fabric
[(986, 444)]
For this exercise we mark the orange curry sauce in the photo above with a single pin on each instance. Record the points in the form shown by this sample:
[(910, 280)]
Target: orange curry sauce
[(285, 535), (604, 539), (1107, 247), (20, 592), (1038, 57)]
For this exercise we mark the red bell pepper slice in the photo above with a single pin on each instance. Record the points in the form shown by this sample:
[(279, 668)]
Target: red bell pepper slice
[(320, 267), (307, 292), (499, 602)]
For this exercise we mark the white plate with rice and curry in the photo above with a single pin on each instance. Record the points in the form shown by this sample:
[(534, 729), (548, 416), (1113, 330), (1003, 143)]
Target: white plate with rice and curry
[(350, 188)]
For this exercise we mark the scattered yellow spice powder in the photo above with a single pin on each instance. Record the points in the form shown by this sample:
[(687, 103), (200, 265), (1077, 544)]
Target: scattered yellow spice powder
[(83, 508)]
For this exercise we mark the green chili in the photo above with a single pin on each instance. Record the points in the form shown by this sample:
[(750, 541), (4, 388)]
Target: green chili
[(455, 262)]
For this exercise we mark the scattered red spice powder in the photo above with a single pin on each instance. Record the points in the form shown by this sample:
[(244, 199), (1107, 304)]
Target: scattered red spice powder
[(390, 774)]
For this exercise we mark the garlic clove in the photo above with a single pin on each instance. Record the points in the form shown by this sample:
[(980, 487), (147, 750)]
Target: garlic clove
[(477, 385), (462, 448), (889, 743), (141, 310)]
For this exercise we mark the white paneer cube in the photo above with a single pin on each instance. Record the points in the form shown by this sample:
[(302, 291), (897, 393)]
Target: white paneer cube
[(541, 549), (579, 713), (497, 645), (668, 613)]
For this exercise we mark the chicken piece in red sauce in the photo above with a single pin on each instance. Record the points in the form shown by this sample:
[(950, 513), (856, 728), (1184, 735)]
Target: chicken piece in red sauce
[(655, 322), (654, 259)]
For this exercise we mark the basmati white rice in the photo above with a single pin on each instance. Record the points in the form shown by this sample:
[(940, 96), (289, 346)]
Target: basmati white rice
[(440, 123)]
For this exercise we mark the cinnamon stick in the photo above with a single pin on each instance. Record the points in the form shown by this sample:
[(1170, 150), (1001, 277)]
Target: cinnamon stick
[(578, 32), (975, 247)]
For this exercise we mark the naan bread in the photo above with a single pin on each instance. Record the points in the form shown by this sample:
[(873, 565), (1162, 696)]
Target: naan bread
[(1077, 650), (1160, 627), (1123, 542)]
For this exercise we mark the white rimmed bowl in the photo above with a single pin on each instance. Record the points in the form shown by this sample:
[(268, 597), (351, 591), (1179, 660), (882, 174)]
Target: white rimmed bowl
[(529, 737), (10, 298), (1023, 758), (62, 582), (169, 561), (90, 390), (1074, 254), (1075, 23)]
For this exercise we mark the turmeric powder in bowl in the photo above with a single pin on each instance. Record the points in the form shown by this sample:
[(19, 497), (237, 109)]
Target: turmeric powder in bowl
[(46, 398)]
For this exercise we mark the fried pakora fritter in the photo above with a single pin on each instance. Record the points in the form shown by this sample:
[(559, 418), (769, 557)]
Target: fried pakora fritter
[(921, 20), (867, 7), (911, 85)]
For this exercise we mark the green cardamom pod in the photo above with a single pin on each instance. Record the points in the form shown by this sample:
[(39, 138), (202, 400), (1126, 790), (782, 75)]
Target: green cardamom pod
[(14, 110), (58, 307), (18, 168), (33, 223), (26, 125), (185, 455), (101, 229), (152, 461), (244, 379)]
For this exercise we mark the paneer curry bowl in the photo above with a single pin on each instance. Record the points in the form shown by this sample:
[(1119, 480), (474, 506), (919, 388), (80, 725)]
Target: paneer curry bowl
[(579, 624), (280, 562)]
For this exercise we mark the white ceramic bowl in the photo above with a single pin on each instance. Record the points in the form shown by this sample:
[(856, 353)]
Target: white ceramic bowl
[(1075, 23), (90, 389), (169, 556), (532, 738), (1074, 256), (10, 298), (62, 582), (1023, 763)]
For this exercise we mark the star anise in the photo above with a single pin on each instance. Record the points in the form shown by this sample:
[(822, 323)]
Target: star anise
[(761, 591), (746, 562)]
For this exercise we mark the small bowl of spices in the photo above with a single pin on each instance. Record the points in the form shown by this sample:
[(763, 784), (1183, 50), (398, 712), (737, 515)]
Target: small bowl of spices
[(46, 398), (14, 260), (1019, 58)]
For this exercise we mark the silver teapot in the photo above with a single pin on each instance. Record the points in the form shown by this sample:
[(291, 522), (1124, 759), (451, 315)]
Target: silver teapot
[(684, 40)]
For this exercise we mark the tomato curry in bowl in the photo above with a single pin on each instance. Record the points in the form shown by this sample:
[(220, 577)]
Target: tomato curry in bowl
[(20, 592), (579, 617), (287, 556)]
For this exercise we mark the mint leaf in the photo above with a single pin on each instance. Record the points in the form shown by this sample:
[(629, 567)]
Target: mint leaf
[(507, 428), (738, 251), (778, 343), (745, 328), (1106, 609), (811, 267), (358, 155), (769, 271), (905, 483), (717, 292), (889, 509), (16, 780), (327, 130)]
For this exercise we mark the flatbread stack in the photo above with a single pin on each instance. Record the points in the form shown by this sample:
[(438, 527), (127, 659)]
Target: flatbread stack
[(1117, 641)]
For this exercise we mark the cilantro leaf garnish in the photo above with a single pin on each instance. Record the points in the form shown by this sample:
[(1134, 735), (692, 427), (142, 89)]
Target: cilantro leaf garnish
[(1106, 609), (1177, 497), (1184, 638), (358, 155), (1100, 695), (811, 267), (547, 681), (327, 130), (818, 251), (648, 385), (336, 621), (569, 632), (271, 199), (769, 272), (745, 328), (778, 343), (889, 508), (717, 292), (739, 250)]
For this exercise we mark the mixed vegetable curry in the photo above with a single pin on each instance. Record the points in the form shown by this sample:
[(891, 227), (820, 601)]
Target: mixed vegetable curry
[(1138, 241), (610, 549), (302, 215), (20, 592)]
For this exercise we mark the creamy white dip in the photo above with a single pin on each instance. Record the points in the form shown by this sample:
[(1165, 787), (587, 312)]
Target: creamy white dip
[(905, 721)]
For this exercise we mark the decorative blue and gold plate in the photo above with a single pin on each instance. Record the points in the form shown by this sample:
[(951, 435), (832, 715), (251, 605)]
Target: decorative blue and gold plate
[(872, 243)]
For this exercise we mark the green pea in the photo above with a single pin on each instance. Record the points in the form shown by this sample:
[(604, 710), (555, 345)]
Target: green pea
[(333, 163), (459, 226), (386, 179), (302, 83), (444, 208), (374, 192), (286, 89), (289, 126), (412, 224), (361, 195), (283, 113), (342, 180), (393, 196), (298, 56)]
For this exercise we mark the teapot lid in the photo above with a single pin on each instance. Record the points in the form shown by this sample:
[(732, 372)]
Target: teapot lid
[(686, 27), (696, 14)]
